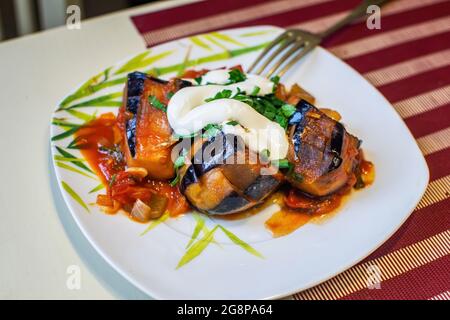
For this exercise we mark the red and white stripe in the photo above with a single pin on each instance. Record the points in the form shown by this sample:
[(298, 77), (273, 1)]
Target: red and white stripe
[(419, 87)]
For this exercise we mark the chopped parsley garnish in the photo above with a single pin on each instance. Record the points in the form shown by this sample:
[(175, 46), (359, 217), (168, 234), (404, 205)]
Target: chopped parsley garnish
[(282, 164), (224, 94), (269, 105), (113, 179), (281, 120), (186, 136), (179, 162), (285, 164), (232, 123), (169, 95), (275, 80), (208, 131), (198, 80), (236, 76), (211, 130), (255, 91), (156, 103), (288, 110)]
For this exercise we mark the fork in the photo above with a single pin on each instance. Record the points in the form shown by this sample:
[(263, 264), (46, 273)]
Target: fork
[(301, 42)]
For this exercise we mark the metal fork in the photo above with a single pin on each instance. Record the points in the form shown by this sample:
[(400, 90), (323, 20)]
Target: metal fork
[(300, 42)]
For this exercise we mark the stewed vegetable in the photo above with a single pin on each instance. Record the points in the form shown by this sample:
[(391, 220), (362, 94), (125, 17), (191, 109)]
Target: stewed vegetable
[(142, 118), (322, 152), (221, 178)]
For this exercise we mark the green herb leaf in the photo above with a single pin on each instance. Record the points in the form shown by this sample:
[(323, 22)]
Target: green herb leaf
[(156, 103), (255, 91), (224, 94), (179, 162), (288, 110), (197, 248), (281, 120), (275, 80), (198, 80), (269, 105), (186, 136), (113, 180), (232, 123), (241, 243), (282, 163), (211, 130), (236, 76), (169, 95), (175, 181)]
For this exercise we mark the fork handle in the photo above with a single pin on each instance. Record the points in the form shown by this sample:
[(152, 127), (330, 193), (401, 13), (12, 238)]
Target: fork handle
[(359, 11)]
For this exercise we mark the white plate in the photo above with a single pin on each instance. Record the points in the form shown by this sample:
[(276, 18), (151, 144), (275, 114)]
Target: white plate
[(310, 255)]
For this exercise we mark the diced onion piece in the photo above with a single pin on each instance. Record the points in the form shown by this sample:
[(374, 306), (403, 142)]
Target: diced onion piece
[(158, 205), (141, 212)]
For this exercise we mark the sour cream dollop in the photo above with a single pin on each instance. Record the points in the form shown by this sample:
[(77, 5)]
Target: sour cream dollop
[(188, 112)]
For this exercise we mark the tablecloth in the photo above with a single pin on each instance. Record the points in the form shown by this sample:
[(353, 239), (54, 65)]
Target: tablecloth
[(408, 60)]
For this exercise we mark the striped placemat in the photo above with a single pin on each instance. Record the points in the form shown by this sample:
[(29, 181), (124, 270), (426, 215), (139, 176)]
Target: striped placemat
[(408, 60)]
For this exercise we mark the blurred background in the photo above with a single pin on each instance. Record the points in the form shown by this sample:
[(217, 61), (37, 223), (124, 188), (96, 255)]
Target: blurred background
[(22, 17)]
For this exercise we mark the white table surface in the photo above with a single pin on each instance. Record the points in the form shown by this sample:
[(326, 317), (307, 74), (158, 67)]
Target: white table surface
[(39, 239)]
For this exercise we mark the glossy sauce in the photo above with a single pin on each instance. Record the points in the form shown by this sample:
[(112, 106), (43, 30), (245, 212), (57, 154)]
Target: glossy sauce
[(99, 142), (289, 219), (297, 209)]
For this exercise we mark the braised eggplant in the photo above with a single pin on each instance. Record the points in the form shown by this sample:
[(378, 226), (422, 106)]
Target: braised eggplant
[(323, 153), (215, 182), (142, 118)]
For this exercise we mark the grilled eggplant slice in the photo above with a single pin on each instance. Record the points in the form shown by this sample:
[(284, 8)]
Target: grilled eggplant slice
[(323, 153), (215, 182), (145, 128)]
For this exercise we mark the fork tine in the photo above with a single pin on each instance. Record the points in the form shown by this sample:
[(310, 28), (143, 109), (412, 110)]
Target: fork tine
[(267, 49), (287, 42), (306, 50), (286, 56)]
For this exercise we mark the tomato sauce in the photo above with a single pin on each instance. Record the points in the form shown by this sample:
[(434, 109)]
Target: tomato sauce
[(297, 208), (100, 144)]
